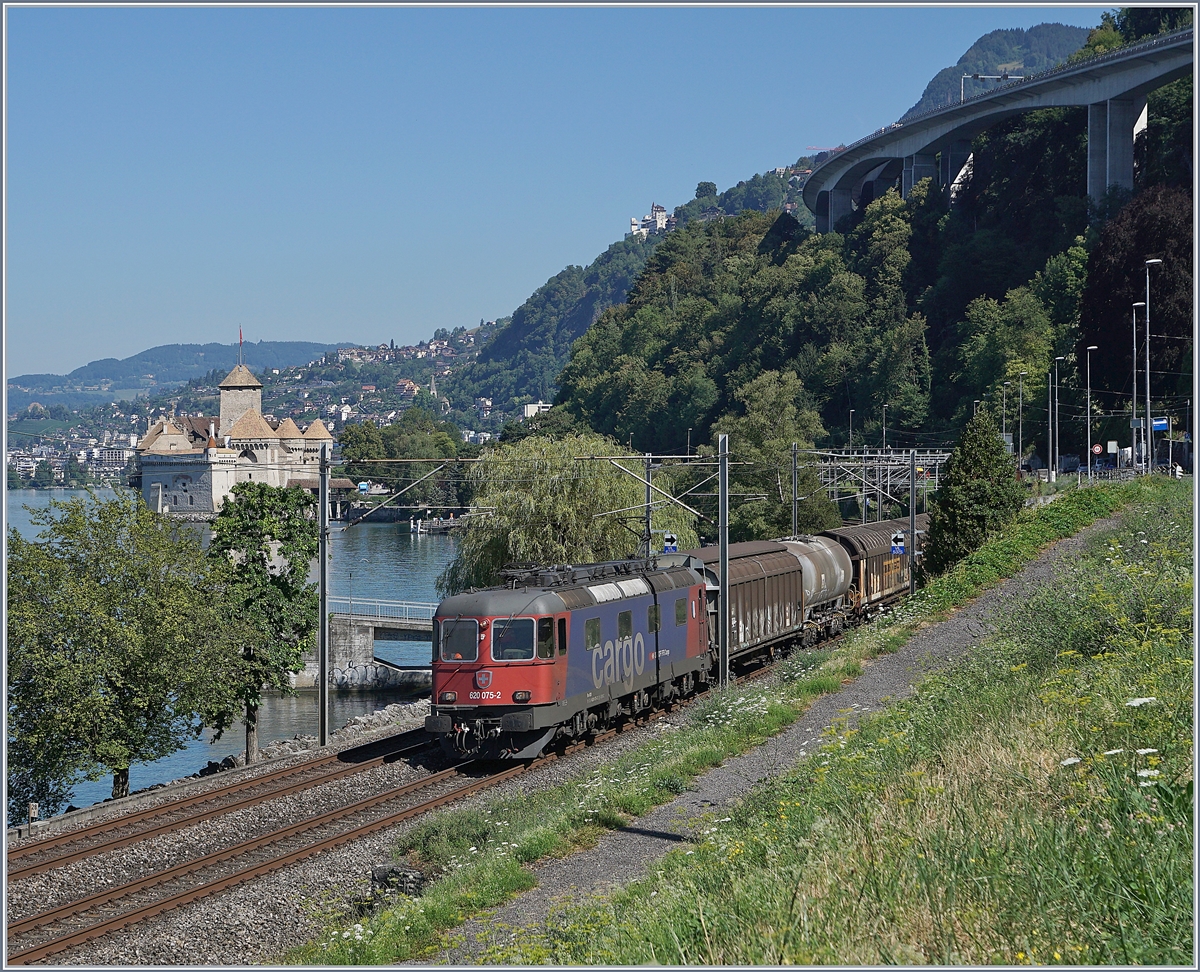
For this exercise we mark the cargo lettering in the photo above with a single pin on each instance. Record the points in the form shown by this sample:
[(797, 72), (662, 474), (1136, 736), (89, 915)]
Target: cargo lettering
[(619, 662)]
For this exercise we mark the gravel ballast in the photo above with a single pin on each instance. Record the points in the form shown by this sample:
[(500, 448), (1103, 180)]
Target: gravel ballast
[(259, 921)]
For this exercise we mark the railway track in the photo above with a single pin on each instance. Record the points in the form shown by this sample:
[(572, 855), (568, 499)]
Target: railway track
[(47, 933), (62, 849), (38, 936)]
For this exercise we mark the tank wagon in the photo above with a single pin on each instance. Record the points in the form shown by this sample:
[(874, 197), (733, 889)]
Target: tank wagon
[(559, 653)]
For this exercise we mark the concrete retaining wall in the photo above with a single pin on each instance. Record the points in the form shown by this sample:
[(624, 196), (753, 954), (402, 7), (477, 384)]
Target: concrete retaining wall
[(352, 662)]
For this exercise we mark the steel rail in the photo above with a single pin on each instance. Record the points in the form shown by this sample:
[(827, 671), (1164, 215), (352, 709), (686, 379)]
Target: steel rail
[(74, 837), (240, 876), (188, 896)]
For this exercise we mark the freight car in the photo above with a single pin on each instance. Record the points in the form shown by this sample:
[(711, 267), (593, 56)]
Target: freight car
[(560, 653)]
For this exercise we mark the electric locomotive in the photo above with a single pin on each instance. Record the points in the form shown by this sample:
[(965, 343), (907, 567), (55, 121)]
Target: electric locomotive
[(564, 652)]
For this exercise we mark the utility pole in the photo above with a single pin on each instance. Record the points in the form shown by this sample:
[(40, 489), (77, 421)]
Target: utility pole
[(795, 499), (1149, 418), (1057, 427), (1021, 418), (323, 601), (1050, 426), (1004, 409), (649, 533), (1087, 438), (912, 521), (723, 579), (1133, 420)]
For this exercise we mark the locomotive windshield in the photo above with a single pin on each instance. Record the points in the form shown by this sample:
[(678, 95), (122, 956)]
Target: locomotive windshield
[(460, 640), (512, 640)]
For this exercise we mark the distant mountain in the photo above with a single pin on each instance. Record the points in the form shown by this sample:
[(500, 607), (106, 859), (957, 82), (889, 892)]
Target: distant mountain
[(152, 371), (1015, 51)]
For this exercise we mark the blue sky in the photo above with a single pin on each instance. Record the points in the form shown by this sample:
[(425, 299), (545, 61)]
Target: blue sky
[(366, 174)]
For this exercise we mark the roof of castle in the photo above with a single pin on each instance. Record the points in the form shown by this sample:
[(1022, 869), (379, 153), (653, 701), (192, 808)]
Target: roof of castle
[(165, 427), (240, 377), (317, 431), (252, 426), (289, 430)]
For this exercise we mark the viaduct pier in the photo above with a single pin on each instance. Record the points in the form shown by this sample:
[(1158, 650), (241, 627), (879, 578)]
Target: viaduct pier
[(936, 144)]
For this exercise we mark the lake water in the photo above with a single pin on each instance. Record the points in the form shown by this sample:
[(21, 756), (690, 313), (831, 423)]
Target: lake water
[(383, 561)]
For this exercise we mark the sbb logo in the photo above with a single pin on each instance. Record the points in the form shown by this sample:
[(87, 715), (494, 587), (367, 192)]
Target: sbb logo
[(483, 679)]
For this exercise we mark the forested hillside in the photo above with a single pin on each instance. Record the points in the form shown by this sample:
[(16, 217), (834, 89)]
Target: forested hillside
[(522, 361), (1016, 52), (913, 305)]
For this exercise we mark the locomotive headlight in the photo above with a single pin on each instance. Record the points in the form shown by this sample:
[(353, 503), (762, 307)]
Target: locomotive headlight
[(520, 696), (448, 697)]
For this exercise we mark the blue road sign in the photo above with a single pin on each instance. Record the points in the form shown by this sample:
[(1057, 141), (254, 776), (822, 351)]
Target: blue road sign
[(1160, 424), (897, 548), (670, 543)]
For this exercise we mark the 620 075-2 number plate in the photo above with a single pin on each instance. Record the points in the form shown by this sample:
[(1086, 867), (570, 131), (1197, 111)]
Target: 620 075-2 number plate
[(483, 695)]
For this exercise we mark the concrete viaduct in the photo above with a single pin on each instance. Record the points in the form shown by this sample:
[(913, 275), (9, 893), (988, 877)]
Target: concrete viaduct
[(937, 143)]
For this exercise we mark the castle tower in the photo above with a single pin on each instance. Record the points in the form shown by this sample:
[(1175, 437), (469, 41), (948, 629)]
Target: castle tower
[(240, 392)]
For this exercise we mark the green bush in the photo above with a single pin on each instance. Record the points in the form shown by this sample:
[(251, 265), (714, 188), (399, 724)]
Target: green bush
[(978, 495)]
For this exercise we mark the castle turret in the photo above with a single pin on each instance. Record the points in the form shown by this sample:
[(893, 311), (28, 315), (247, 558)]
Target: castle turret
[(240, 392)]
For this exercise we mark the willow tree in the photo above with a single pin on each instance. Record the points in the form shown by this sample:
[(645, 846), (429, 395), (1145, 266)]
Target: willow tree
[(266, 537), (545, 501)]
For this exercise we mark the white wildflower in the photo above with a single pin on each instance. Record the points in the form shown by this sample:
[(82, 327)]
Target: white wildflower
[(1135, 703), (1146, 752), (1069, 761), (1113, 752), (1147, 772)]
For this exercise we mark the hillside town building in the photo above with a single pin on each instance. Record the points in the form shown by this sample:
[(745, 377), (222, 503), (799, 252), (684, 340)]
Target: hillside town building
[(656, 223), (189, 464)]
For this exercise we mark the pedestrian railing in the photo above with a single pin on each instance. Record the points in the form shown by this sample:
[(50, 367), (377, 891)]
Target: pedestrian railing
[(374, 608)]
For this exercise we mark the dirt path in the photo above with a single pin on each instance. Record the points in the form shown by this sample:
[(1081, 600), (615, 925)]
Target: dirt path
[(627, 854)]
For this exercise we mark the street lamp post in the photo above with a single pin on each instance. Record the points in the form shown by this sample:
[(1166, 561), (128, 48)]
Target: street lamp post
[(1021, 418), (1050, 474), (975, 408), (1149, 419), (1087, 439), (885, 428), (689, 442), (1133, 422), (1057, 427), (1004, 408)]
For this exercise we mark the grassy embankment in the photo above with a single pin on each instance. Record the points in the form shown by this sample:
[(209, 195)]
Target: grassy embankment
[(946, 829)]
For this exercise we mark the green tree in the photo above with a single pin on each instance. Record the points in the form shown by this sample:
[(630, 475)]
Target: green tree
[(43, 475), (536, 502), (267, 535), (361, 442), (978, 495), (705, 189), (772, 418), (114, 650), (14, 478), (74, 474)]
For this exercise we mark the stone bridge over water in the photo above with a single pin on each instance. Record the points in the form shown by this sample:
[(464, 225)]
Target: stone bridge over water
[(936, 143)]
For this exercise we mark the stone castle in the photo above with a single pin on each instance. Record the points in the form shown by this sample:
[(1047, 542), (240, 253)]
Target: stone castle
[(189, 464)]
